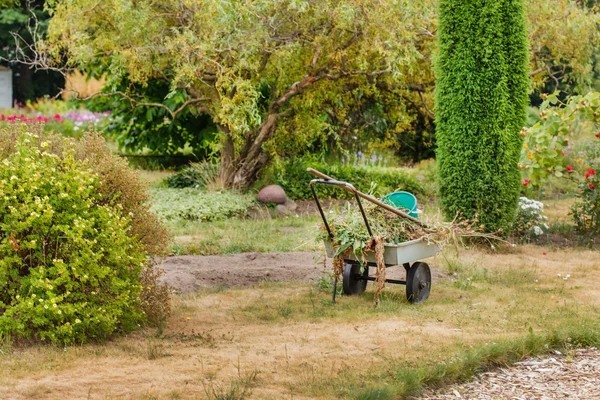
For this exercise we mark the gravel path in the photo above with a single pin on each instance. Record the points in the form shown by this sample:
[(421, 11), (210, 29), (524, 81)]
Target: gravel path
[(576, 376)]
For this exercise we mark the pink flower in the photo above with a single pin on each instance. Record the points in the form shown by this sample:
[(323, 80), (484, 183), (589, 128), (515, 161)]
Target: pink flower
[(56, 116), (525, 182), (562, 152), (570, 169)]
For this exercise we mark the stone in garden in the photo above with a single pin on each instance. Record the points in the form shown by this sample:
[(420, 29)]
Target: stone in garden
[(272, 194), (290, 205), (282, 210)]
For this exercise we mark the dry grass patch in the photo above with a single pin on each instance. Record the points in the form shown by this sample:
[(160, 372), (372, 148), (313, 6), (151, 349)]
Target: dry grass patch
[(287, 340)]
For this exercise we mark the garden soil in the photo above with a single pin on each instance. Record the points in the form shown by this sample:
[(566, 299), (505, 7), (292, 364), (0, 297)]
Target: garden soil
[(187, 274)]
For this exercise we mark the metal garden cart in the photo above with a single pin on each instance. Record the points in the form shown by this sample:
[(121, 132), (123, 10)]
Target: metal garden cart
[(407, 254)]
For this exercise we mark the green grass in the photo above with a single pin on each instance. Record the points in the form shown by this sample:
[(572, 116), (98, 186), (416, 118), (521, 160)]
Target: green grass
[(410, 380), (245, 235)]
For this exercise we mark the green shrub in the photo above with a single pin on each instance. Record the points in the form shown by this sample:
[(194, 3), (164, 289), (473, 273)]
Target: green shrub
[(200, 175), (118, 183), (195, 205), (481, 97), (121, 185), (68, 268), (292, 176), (586, 212)]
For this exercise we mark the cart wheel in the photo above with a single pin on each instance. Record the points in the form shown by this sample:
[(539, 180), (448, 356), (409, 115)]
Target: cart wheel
[(353, 284), (418, 283)]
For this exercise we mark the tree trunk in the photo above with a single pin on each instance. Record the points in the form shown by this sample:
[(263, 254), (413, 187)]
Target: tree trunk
[(240, 171)]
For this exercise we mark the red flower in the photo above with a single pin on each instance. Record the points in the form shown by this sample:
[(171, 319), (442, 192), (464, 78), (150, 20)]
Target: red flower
[(57, 116), (589, 173), (598, 135), (2, 117), (562, 152), (525, 182), (591, 185), (570, 169)]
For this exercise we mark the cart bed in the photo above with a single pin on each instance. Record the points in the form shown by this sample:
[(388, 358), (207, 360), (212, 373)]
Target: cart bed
[(396, 254)]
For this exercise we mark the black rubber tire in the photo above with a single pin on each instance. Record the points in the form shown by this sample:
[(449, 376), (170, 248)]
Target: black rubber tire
[(352, 283), (418, 283)]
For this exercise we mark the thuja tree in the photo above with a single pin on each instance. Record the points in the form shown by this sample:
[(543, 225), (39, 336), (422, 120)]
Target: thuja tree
[(481, 98)]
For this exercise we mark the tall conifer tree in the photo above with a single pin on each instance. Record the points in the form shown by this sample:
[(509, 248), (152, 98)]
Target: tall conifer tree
[(481, 98)]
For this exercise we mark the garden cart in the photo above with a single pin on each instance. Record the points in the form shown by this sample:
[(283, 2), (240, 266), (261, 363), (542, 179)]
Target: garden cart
[(356, 272)]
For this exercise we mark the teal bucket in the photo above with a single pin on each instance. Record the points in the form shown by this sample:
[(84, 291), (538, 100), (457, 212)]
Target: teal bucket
[(403, 201)]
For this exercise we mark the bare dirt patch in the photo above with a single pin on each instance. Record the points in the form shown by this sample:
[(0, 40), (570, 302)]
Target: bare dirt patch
[(187, 274)]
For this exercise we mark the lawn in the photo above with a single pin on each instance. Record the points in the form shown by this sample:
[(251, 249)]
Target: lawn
[(289, 341)]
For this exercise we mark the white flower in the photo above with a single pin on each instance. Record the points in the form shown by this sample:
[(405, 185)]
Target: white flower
[(537, 230)]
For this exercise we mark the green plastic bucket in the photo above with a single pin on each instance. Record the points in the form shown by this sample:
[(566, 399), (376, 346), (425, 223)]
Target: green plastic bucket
[(403, 201)]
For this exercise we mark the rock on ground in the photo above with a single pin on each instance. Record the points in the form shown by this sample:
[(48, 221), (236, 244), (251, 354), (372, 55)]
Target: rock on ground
[(272, 194)]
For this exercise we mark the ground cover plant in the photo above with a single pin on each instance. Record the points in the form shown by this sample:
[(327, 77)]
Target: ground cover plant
[(192, 204), (72, 259)]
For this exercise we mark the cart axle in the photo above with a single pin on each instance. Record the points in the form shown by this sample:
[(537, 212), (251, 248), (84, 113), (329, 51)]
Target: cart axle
[(372, 278)]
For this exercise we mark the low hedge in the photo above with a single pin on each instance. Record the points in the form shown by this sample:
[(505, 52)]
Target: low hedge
[(190, 204), (292, 176)]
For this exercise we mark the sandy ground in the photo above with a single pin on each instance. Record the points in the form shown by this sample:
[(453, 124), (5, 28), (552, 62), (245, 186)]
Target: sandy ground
[(187, 274)]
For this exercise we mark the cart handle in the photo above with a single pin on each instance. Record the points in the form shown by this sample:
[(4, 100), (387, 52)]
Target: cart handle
[(350, 188), (346, 186)]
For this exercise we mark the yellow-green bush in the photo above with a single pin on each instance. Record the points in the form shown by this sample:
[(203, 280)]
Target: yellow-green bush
[(71, 264)]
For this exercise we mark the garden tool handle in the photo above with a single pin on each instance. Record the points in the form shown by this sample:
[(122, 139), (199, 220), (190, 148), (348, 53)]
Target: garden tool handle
[(369, 198)]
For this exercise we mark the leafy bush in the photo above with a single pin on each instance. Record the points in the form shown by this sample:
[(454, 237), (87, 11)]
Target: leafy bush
[(292, 176), (68, 268), (481, 97), (121, 185), (586, 212), (200, 175), (195, 205), (530, 220)]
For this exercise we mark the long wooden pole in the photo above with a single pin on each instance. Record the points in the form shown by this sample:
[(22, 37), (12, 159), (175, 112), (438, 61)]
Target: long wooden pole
[(367, 197)]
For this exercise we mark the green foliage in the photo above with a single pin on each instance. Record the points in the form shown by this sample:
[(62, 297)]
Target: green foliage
[(299, 73), (543, 153), (201, 175), (196, 205), (292, 176), (68, 268), (481, 98), (586, 212), (146, 127)]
